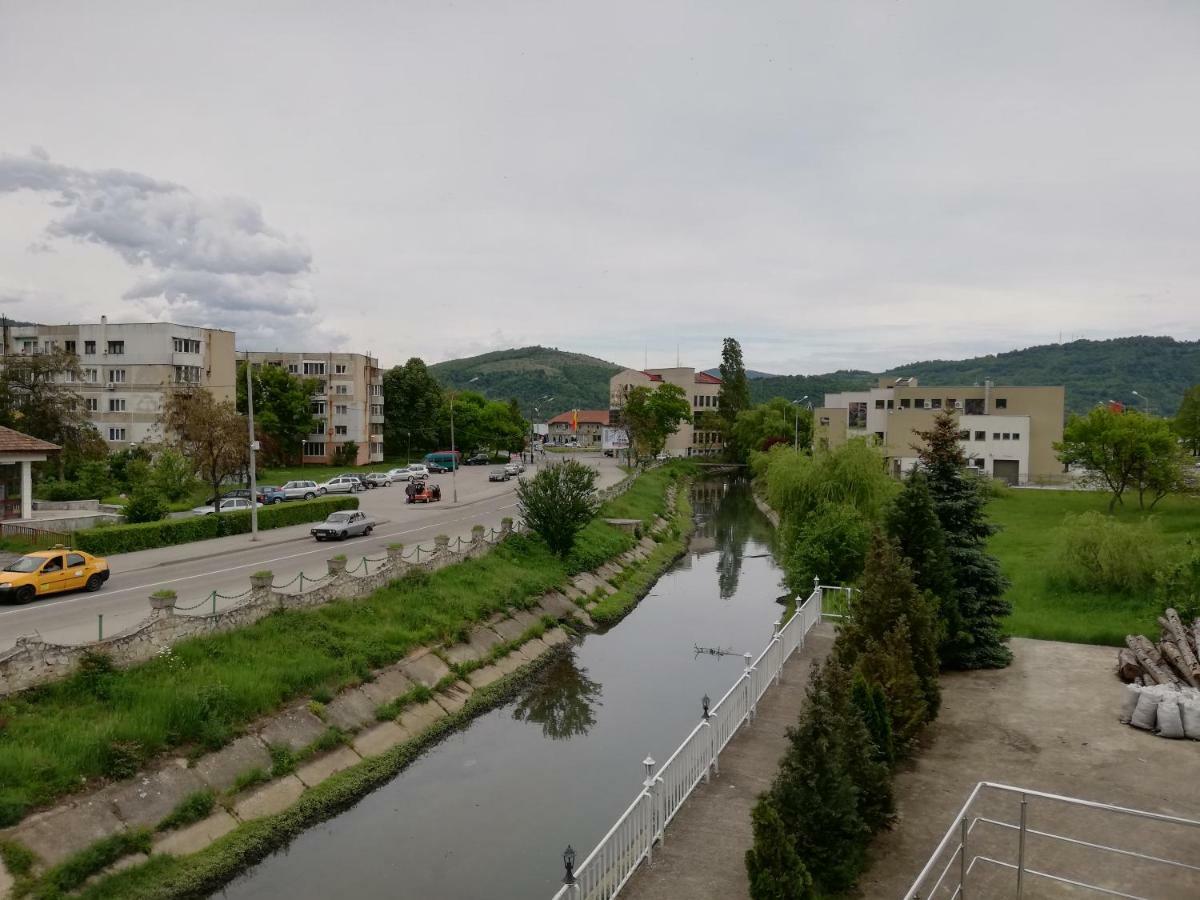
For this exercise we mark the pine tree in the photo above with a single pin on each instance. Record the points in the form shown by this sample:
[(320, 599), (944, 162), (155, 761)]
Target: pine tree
[(888, 663), (868, 696), (888, 595), (772, 864), (979, 584), (734, 396), (912, 521)]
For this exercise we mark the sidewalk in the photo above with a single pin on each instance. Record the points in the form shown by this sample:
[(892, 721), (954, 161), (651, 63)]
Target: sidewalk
[(705, 845)]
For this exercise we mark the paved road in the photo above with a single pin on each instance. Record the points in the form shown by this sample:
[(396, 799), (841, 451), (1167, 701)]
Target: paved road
[(193, 571)]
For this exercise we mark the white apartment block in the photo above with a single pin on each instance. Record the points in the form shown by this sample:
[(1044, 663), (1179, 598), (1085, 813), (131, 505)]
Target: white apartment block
[(702, 391), (348, 403), (127, 368)]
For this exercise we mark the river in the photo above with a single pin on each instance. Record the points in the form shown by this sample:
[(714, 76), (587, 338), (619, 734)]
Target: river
[(487, 812)]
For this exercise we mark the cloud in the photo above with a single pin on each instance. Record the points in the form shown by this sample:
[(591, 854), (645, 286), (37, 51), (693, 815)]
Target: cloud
[(205, 261)]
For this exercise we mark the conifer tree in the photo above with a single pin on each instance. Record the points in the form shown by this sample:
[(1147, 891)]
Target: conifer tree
[(872, 705), (888, 663), (979, 585), (772, 864)]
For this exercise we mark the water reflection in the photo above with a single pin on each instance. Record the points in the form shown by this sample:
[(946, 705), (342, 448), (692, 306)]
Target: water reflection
[(563, 701), (727, 521)]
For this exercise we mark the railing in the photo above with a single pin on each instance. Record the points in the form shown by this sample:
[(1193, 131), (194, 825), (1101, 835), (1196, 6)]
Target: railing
[(610, 865), (1074, 844), (38, 537)]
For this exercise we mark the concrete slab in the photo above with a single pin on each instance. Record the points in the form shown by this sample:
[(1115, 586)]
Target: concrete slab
[(556, 605), (221, 769), (380, 739), (6, 882), (269, 799), (455, 697), (586, 583), (573, 593), (531, 649), (148, 799), (387, 685), (417, 718), (509, 664), (293, 728), (350, 710), (65, 830), (510, 629), (555, 637), (317, 770), (197, 836), (484, 676), (585, 619), (426, 668)]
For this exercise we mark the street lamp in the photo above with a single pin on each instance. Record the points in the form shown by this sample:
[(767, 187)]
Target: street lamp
[(253, 448), (1145, 401), (569, 865), (797, 420)]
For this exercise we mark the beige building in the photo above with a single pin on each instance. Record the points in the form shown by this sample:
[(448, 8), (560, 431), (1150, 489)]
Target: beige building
[(127, 368), (702, 391), (1006, 432), (578, 427), (348, 403)]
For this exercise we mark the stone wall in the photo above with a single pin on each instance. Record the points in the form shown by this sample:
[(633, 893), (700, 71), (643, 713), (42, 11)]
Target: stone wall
[(32, 661)]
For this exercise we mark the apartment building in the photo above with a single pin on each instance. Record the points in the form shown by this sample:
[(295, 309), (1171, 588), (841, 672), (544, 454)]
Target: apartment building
[(127, 368), (578, 427), (1007, 432), (703, 392), (348, 403)]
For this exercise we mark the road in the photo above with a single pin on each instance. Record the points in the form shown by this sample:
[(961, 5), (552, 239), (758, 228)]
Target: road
[(224, 565)]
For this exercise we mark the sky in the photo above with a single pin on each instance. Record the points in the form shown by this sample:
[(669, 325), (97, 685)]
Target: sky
[(838, 185)]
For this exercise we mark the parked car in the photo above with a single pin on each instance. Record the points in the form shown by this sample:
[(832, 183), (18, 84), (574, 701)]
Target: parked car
[(479, 459), (356, 477), (265, 491), (293, 490), (513, 469), (415, 472), (340, 525), (378, 479), (343, 484), (499, 475), (436, 468), (52, 572), (237, 493), (233, 504)]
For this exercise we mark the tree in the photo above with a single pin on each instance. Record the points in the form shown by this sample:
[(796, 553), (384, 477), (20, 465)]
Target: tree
[(209, 433), (345, 454), (172, 476), (775, 422), (283, 410), (774, 868), (1187, 420), (734, 396), (146, 504), (649, 417), (412, 400), (979, 586), (480, 423), (830, 543), (558, 503)]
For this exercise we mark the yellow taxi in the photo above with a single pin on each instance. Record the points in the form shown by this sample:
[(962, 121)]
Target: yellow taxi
[(51, 572)]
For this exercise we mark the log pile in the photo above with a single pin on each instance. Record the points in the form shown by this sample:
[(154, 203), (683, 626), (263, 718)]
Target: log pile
[(1175, 659)]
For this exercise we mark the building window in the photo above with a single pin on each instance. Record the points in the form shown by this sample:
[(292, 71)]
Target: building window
[(314, 368), (995, 435), (294, 369), (879, 404), (1016, 435), (1001, 403), (919, 403), (905, 403), (314, 448), (879, 436), (341, 409), (340, 430), (375, 390), (891, 404), (29, 346), (89, 348), (981, 435), (378, 429), (116, 434), (187, 374), (318, 407), (974, 407), (1007, 436), (935, 403), (116, 376), (338, 369), (69, 346), (116, 404), (964, 435), (186, 345), (91, 404), (116, 348), (979, 463), (376, 409), (89, 375), (342, 389)]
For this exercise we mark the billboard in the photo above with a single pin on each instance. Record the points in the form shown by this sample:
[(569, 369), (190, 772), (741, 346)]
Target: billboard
[(614, 439)]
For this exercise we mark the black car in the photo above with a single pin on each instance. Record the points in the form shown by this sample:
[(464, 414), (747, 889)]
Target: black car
[(436, 468), (479, 459)]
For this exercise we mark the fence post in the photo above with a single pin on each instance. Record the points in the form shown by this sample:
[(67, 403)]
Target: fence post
[(747, 675), (1021, 849), (100, 626), (777, 628), (652, 806), (962, 861)]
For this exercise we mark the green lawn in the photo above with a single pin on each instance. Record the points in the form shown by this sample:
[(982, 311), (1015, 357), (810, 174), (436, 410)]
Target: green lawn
[(1029, 546)]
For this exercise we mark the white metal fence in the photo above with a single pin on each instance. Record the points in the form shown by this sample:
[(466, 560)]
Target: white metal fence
[(1007, 842), (609, 866)]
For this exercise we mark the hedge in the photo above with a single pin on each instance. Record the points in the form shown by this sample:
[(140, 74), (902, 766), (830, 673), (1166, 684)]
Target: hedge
[(168, 532)]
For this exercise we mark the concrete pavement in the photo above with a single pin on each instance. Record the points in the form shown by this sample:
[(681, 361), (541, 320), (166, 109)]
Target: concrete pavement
[(224, 565)]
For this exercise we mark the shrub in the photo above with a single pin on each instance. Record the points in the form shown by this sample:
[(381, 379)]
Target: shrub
[(1103, 554), (173, 475), (830, 544), (853, 474), (775, 869), (146, 505), (345, 454), (148, 535), (1178, 584), (558, 502)]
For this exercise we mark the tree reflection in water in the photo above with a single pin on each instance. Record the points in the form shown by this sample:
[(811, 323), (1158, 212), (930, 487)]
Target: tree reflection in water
[(731, 520), (562, 701)]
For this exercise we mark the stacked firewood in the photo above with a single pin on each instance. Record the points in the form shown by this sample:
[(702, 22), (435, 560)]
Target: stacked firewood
[(1175, 659)]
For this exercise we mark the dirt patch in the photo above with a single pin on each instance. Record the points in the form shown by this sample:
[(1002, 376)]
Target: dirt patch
[(1049, 723)]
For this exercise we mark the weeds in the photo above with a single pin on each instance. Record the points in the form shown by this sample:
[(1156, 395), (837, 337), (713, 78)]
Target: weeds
[(192, 808)]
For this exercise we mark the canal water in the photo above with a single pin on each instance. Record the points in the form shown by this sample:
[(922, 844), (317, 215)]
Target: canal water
[(487, 812)]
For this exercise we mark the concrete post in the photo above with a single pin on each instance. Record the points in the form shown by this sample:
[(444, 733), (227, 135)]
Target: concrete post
[(748, 674), (477, 535), (395, 554), (163, 602), (506, 526), (336, 565), (26, 490), (441, 545), (261, 581), (652, 815)]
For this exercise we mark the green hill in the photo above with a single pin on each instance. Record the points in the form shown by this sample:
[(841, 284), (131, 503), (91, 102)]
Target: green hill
[(1160, 368), (574, 380)]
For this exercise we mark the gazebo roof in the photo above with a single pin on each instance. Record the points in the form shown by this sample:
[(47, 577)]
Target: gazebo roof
[(15, 442)]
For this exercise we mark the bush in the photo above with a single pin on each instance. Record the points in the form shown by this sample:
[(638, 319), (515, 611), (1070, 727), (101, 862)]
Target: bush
[(1178, 585), (830, 543), (345, 454), (1103, 554), (169, 532), (774, 867), (558, 502), (854, 474), (146, 505), (173, 475)]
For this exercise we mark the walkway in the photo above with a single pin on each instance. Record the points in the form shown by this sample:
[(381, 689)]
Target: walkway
[(702, 855)]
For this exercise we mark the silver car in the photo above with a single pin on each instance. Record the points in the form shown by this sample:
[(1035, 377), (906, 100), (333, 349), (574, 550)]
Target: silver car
[(341, 525), (343, 484), (377, 479)]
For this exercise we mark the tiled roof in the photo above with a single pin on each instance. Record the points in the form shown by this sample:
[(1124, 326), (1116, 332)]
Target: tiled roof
[(705, 378), (586, 417), (16, 442), (652, 376)]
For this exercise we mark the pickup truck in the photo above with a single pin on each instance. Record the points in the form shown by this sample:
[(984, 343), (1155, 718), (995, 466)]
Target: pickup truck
[(293, 490)]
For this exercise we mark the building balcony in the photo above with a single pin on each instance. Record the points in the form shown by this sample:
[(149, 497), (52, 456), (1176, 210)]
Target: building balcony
[(375, 418)]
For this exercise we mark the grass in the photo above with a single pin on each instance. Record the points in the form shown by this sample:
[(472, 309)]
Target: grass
[(75, 870), (103, 723), (1030, 546), (192, 808)]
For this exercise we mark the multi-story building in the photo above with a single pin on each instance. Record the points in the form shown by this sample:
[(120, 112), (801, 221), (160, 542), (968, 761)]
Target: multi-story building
[(1007, 432), (578, 427), (348, 403), (702, 391), (127, 368)]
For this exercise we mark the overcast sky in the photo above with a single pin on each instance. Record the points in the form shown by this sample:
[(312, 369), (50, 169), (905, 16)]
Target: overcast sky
[(838, 184)]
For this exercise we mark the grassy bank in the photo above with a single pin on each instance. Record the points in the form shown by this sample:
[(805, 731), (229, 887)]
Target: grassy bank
[(106, 724), (1030, 547)]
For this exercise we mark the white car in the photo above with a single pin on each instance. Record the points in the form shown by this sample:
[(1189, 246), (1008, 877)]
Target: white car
[(415, 472), (233, 504), (343, 484), (513, 469)]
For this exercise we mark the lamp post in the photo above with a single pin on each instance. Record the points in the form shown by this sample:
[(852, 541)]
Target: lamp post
[(796, 420), (253, 448), (1145, 401), (536, 412)]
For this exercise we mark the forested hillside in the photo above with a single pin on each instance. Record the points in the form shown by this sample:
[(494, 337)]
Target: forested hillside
[(1159, 368), (574, 380)]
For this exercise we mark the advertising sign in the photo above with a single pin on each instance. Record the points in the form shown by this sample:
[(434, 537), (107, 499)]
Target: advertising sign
[(614, 439)]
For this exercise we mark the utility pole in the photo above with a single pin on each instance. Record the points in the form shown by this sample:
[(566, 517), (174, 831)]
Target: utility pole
[(253, 448), (453, 458)]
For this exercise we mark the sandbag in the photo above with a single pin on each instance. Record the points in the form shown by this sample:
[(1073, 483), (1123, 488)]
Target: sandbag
[(1189, 710), (1170, 723), (1129, 699), (1145, 714)]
